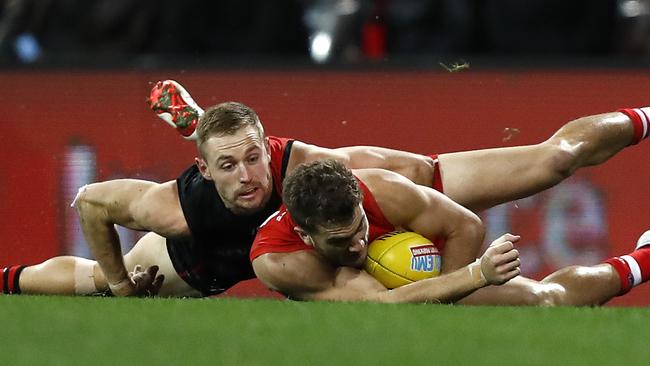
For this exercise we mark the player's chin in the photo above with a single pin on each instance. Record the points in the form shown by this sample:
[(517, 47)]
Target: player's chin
[(249, 206)]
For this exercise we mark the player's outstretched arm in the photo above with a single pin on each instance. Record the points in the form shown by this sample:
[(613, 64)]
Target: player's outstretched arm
[(307, 276), (136, 204), (415, 167)]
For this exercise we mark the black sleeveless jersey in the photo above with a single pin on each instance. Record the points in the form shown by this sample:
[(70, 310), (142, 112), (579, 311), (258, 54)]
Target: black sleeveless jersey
[(216, 256)]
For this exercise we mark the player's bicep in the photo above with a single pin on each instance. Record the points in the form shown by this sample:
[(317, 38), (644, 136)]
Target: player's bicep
[(159, 210), (430, 213), (136, 204), (439, 212)]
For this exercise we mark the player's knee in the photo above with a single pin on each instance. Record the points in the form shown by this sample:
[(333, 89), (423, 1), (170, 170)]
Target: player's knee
[(559, 161), (546, 295), (551, 295), (420, 171)]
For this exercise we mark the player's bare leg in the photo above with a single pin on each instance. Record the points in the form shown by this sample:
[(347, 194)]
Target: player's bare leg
[(150, 250), (575, 285), (67, 275), (571, 286), (484, 178)]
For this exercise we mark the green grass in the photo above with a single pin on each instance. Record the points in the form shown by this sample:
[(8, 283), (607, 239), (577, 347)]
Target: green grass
[(37, 330)]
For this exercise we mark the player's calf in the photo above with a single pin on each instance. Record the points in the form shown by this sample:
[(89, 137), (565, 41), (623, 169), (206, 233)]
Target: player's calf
[(633, 269)]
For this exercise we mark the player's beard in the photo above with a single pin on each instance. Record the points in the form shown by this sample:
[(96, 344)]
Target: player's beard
[(241, 206)]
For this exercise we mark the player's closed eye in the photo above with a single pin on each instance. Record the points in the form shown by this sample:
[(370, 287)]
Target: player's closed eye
[(340, 241)]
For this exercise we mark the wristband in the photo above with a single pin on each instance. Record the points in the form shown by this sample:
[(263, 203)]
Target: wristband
[(119, 286), (476, 272)]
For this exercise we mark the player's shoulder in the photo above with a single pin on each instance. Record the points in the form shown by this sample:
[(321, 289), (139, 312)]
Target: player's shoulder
[(391, 192)]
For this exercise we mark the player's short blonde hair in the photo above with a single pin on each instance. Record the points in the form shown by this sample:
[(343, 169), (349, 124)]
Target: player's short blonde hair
[(226, 119)]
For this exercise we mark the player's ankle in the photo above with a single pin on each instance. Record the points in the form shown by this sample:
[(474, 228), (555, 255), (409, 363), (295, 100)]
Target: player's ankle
[(640, 118), (10, 279)]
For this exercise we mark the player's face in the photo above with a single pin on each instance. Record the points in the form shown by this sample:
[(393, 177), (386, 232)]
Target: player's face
[(345, 245), (239, 166)]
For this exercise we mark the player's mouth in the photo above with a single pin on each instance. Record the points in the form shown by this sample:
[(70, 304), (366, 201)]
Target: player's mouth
[(248, 194)]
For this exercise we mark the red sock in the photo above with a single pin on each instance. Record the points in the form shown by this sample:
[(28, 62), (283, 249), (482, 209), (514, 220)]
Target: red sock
[(437, 179), (633, 269), (641, 120), (10, 278)]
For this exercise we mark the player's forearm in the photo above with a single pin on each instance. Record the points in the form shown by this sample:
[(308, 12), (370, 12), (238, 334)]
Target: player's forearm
[(446, 288), (104, 244), (99, 231), (417, 168)]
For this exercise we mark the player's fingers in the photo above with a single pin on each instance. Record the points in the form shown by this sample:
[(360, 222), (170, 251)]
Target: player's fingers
[(513, 238), (507, 267), (137, 268), (157, 284), (500, 248), (152, 270), (506, 257), (512, 274), (504, 238), (138, 280), (141, 277)]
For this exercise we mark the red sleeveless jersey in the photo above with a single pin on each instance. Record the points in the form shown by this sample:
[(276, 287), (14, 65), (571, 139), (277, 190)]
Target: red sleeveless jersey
[(279, 159)]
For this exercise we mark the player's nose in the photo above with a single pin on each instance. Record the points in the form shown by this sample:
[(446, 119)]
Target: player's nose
[(244, 173)]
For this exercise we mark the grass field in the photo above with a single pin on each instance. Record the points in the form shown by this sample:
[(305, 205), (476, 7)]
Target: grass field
[(39, 330)]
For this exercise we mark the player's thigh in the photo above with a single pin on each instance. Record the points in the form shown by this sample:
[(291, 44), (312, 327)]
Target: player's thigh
[(518, 291), (481, 179), (150, 250)]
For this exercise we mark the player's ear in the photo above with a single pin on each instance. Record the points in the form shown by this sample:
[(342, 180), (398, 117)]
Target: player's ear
[(306, 238), (267, 148), (203, 168)]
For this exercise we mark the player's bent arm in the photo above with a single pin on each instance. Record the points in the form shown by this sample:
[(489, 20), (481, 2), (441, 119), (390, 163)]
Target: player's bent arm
[(415, 167), (305, 275), (430, 213), (136, 204)]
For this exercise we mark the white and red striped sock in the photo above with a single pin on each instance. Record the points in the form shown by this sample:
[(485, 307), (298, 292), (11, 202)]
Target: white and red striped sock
[(633, 269), (641, 120)]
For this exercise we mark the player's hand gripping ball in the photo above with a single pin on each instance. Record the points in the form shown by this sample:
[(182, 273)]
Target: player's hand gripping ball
[(399, 258)]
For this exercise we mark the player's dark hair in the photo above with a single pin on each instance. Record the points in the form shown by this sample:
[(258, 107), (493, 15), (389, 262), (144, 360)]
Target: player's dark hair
[(321, 193), (226, 119)]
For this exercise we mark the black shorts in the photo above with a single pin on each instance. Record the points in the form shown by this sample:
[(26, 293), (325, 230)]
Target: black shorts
[(210, 272)]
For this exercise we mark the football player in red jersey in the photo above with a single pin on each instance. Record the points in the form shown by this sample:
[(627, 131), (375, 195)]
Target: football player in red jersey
[(313, 248)]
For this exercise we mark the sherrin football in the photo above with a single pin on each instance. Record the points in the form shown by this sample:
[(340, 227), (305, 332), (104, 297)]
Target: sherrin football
[(399, 258)]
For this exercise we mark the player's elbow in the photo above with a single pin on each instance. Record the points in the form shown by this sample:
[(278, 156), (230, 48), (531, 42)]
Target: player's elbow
[(472, 226), (88, 201)]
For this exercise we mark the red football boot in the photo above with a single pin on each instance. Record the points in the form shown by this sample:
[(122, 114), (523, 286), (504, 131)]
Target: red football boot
[(174, 105)]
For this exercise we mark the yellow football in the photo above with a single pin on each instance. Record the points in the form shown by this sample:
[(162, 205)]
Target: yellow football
[(399, 258)]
